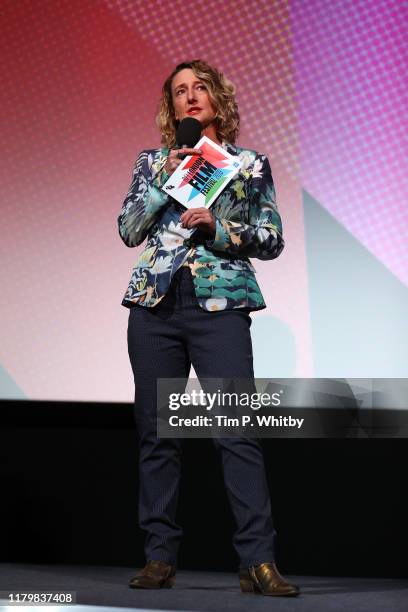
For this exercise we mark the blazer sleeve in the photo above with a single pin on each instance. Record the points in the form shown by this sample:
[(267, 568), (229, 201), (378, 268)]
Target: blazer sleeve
[(262, 236), (144, 201)]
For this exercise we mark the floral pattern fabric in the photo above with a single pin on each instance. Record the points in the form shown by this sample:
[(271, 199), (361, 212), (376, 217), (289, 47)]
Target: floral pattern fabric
[(248, 224)]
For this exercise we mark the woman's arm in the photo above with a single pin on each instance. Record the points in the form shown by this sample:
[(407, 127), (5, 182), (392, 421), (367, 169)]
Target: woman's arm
[(143, 202), (262, 237)]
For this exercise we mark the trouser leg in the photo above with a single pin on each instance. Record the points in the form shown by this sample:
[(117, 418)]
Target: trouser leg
[(156, 350), (220, 347), (247, 490)]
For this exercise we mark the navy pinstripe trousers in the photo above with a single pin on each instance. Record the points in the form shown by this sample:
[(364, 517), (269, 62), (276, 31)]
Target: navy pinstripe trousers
[(163, 342)]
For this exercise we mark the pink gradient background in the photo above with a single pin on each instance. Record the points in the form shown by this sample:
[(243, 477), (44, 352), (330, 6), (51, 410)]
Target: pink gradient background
[(319, 91)]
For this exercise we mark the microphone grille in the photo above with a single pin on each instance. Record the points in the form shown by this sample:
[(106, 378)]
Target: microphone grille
[(188, 132)]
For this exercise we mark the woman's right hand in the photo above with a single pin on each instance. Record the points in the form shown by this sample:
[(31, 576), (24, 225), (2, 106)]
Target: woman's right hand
[(173, 161)]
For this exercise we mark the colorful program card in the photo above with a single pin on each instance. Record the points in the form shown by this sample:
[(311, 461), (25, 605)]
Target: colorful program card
[(199, 180)]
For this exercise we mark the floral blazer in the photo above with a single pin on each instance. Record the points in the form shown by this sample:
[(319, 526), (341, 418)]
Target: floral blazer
[(248, 224)]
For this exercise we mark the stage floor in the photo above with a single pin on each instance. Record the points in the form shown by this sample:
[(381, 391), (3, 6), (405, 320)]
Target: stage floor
[(106, 588)]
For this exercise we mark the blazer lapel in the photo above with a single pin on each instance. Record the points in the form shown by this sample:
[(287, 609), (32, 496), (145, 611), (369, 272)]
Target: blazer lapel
[(233, 150)]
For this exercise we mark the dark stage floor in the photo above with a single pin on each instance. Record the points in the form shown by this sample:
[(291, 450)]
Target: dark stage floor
[(107, 587)]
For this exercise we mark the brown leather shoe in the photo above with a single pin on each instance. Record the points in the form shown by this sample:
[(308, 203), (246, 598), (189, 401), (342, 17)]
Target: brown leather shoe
[(265, 579), (154, 575)]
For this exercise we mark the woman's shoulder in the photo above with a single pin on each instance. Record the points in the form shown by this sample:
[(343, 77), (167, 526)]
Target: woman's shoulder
[(247, 156), (149, 160), (154, 153), (242, 152), (236, 150)]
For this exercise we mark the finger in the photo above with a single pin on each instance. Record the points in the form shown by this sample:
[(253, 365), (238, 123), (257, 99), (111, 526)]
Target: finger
[(187, 220), (187, 151), (198, 222), (190, 216), (192, 221), (195, 211), (195, 220), (199, 209)]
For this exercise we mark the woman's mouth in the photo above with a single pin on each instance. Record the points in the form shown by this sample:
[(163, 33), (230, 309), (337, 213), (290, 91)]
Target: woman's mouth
[(194, 110)]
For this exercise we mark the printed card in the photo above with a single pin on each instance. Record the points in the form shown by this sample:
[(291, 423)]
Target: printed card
[(199, 180)]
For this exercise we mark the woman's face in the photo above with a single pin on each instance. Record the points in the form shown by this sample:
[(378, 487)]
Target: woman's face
[(190, 98)]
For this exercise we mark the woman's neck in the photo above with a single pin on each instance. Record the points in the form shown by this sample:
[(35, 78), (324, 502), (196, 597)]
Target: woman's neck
[(211, 133)]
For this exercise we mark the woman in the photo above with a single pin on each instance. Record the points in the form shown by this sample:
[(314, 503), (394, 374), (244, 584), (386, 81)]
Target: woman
[(176, 319)]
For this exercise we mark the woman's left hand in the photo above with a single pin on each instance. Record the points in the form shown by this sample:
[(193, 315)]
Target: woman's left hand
[(200, 217)]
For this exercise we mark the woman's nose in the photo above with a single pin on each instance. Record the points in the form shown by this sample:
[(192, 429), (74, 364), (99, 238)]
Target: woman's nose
[(191, 96)]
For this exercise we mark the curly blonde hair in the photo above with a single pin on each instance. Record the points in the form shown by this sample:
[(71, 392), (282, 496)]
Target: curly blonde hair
[(221, 92)]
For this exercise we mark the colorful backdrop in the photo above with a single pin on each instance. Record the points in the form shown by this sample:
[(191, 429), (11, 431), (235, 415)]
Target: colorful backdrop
[(320, 91)]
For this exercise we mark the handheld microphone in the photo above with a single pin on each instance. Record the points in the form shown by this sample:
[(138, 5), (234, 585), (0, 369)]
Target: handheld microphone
[(188, 134)]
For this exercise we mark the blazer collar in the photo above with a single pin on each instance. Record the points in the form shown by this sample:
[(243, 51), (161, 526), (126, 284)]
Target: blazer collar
[(229, 147)]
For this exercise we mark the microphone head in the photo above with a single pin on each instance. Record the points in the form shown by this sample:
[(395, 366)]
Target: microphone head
[(188, 132)]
